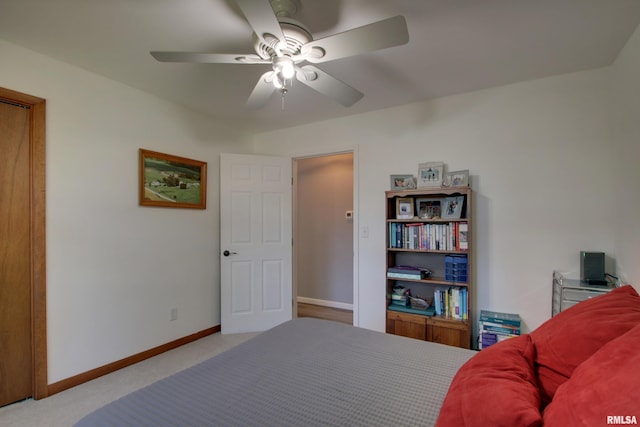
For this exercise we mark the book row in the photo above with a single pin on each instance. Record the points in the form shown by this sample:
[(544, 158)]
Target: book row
[(451, 236), (452, 302)]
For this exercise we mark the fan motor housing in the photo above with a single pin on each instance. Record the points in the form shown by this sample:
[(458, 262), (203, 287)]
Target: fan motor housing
[(296, 35)]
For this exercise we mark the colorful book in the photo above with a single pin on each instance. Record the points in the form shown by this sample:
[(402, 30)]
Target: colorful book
[(487, 340), (428, 312), (515, 329), (499, 330), (391, 275), (463, 236), (502, 318), (405, 269)]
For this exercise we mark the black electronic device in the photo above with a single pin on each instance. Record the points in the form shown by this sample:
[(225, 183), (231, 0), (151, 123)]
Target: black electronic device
[(592, 268)]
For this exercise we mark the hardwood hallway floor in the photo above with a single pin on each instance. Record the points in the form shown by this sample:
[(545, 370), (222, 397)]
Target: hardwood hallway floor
[(327, 313)]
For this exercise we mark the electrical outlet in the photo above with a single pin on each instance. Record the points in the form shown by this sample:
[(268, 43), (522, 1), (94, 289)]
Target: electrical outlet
[(174, 314)]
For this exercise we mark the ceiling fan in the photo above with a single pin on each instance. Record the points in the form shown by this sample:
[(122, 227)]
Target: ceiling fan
[(288, 46)]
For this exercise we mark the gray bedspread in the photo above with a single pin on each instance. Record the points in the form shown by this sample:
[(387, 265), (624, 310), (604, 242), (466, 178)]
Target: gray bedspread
[(305, 372)]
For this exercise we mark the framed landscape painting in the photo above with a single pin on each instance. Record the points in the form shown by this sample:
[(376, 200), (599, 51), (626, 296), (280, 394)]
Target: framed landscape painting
[(172, 181)]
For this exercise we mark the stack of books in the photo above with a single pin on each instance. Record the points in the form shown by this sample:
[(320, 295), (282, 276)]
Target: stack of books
[(408, 272), (495, 327), (400, 296), (401, 300)]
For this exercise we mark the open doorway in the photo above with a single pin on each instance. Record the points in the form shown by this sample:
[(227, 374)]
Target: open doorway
[(323, 261)]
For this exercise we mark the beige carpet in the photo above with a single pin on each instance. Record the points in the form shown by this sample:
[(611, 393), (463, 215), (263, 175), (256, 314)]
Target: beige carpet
[(66, 408)]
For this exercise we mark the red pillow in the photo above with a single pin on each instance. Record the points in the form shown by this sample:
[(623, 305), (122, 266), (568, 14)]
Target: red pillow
[(568, 339), (605, 386), (496, 387)]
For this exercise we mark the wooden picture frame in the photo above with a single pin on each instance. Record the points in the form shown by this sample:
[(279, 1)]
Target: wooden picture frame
[(456, 179), (172, 181), (403, 182), (404, 208), (430, 174)]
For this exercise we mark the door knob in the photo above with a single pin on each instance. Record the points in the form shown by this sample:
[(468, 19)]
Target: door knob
[(227, 253)]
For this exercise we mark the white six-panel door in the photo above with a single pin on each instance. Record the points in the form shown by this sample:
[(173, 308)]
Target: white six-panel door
[(255, 242)]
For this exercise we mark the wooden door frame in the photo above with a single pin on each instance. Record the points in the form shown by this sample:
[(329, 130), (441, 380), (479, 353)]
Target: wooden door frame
[(37, 120)]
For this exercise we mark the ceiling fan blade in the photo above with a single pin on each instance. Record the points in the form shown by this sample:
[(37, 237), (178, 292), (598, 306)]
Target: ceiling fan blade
[(260, 16), (378, 35), (328, 85), (261, 92), (209, 58)]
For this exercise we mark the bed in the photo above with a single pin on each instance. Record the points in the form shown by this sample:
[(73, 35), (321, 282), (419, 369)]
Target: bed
[(305, 372), (579, 368)]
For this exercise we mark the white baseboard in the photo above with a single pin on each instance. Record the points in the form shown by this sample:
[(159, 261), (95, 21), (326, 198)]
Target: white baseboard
[(332, 304)]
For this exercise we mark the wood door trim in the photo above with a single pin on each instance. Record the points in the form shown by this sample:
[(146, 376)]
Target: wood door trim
[(37, 123)]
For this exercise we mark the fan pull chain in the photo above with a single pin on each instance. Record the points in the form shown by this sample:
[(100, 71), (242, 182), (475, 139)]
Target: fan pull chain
[(284, 92)]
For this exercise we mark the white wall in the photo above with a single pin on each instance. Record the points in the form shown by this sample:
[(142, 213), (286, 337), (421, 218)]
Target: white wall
[(550, 160), (114, 269), (625, 119), (538, 153)]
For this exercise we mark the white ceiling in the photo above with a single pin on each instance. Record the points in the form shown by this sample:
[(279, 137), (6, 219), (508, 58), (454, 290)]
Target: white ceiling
[(455, 46)]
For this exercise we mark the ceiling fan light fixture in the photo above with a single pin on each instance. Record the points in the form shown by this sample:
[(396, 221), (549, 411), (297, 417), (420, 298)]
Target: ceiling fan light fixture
[(284, 66)]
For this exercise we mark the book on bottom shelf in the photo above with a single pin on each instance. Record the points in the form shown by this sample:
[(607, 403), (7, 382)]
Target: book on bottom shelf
[(497, 317), (399, 300), (496, 326), (407, 309), (487, 339)]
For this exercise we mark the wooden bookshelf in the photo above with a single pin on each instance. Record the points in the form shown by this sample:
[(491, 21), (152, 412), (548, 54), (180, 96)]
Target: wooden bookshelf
[(431, 240)]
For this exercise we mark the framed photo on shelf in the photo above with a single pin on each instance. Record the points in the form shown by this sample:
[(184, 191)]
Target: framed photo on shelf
[(403, 182), (456, 179), (430, 174), (428, 208), (404, 208), (452, 208), (171, 181)]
